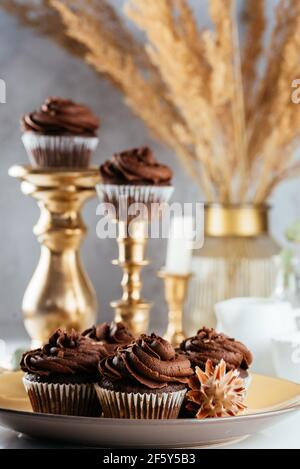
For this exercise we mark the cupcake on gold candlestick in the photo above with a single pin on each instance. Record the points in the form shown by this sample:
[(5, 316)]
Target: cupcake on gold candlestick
[(176, 276), (59, 138), (133, 181)]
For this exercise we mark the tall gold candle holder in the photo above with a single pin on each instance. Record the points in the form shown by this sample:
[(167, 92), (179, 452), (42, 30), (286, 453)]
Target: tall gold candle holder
[(132, 309), (176, 288), (59, 293)]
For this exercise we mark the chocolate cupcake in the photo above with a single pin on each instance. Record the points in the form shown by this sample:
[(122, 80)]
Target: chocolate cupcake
[(62, 134), (211, 345), (108, 337), (60, 376), (144, 380), (135, 176)]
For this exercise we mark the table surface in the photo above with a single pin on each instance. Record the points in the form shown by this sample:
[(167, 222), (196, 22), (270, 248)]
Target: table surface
[(285, 435)]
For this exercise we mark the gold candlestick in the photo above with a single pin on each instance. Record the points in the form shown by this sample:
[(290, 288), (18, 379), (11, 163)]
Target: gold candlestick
[(59, 293), (132, 309), (176, 288)]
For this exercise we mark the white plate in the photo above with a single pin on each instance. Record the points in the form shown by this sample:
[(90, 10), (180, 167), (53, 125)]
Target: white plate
[(270, 401)]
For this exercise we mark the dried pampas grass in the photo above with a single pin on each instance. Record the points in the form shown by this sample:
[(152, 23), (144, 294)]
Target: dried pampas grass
[(45, 20), (234, 128)]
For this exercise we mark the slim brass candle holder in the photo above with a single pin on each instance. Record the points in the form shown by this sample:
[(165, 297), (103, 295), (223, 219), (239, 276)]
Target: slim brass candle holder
[(133, 209), (176, 288), (132, 309), (59, 293)]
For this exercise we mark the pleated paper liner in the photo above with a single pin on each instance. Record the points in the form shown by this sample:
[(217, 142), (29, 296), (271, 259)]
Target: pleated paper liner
[(140, 406), (122, 197), (64, 399), (70, 152)]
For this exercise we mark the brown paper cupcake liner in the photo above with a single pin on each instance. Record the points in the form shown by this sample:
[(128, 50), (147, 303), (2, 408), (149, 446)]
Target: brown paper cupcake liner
[(63, 399), (140, 406), (47, 151)]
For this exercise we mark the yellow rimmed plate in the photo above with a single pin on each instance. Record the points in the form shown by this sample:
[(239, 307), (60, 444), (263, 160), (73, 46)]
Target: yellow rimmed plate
[(270, 401)]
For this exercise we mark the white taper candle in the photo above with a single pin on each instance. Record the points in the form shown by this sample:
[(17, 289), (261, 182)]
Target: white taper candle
[(179, 252)]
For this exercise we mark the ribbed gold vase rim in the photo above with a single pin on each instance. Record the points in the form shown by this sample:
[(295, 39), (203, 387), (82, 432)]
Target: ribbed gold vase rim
[(236, 220)]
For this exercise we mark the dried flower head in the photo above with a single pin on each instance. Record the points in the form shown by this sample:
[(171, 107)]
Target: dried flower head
[(215, 393)]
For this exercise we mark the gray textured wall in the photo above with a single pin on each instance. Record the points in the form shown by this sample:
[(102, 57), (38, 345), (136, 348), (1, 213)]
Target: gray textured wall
[(34, 68)]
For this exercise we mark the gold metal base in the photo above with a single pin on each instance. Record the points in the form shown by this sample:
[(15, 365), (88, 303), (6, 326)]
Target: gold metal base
[(176, 288), (132, 309), (134, 315), (60, 293)]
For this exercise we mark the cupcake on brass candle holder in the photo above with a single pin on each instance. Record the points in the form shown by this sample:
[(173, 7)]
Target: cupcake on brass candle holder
[(135, 176), (61, 134), (145, 380), (136, 186)]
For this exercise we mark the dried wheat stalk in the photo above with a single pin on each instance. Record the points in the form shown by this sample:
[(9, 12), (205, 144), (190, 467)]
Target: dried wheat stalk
[(184, 77), (44, 20), (255, 19), (196, 91), (110, 55), (276, 125)]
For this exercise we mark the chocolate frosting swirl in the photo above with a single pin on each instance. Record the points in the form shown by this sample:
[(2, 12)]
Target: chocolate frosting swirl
[(108, 337), (150, 361), (59, 116), (114, 333), (64, 354), (136, 167), (210, 345)]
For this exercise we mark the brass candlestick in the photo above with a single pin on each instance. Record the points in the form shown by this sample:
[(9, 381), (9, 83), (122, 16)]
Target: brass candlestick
[(176, 288), (133, 225), (132, 308), (60, 293)]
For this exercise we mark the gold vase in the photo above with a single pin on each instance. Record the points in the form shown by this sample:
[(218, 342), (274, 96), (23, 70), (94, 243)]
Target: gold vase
[(59, 293), (236, 261)]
